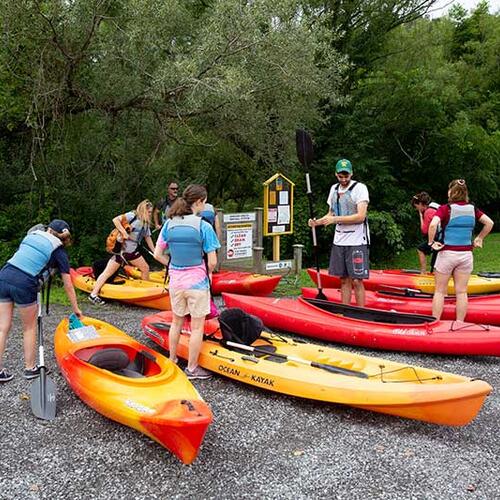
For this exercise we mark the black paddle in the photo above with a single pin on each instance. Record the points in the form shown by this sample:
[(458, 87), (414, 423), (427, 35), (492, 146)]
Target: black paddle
[(43, 389), (305, 154), (314, 364)]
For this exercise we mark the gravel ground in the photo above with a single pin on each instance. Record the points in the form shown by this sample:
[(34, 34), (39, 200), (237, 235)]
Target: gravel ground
[(260, 445)]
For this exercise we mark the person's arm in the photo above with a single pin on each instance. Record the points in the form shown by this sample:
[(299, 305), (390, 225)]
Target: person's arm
[(211, 261), (70, 292), (117, 221), (159, 254), (436, 245), (149, 243), (326, 220), (156, 211), (487, 227)]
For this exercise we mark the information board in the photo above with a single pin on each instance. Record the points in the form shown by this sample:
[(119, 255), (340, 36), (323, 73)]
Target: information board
[(239, 242), (278, 205)]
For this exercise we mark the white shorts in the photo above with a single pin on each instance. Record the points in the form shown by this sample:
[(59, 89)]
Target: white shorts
[(448, 261)]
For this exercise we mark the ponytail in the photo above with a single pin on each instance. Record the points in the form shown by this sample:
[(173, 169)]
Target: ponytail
[(183, 205)]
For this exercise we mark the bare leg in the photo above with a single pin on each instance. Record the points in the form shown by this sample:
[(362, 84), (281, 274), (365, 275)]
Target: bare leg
[(29, 319), (439, 293), (174, 335), (359, 292), (422, 259), (346, 290), (143, 266), (111, 267), (461, 280), (6, 311), (197, 327)]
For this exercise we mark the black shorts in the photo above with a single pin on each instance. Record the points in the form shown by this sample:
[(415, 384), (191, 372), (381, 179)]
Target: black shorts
[(425, 248), (350, 262), (125, 258)]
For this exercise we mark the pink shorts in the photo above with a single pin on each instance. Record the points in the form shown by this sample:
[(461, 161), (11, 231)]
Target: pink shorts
[(193, 302), (449, 261)]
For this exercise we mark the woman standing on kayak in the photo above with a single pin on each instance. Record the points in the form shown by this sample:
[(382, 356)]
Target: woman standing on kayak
[(458, 219), (132, 232), (188, 238), (39, 253)]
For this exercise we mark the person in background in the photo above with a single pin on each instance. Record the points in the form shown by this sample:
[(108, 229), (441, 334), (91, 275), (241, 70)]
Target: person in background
[(188, 237), (163, 206), (40, 252), (457, 219), (139, 221), (426, 209), (349, 259), (209, 214)]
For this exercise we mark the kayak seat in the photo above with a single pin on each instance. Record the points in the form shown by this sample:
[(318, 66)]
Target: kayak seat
[(367, 314), (116, 360)]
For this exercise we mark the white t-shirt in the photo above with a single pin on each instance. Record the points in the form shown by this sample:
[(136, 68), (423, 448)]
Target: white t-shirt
[(350, 234)]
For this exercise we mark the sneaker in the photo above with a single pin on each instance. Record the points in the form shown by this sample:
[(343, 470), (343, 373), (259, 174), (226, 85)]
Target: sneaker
[(34, 372), (197, 373), (95, 299), (5, 376)]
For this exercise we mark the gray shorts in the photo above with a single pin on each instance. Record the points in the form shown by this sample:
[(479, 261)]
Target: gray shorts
[(350, 261)]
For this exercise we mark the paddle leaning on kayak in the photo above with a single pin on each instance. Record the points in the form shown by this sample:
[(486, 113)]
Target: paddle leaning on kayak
[(349, 259)]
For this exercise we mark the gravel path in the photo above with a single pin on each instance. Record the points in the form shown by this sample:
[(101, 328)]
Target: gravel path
[(260, 445)]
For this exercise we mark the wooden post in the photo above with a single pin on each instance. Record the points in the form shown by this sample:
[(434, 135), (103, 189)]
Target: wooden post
[(297, 258), (258, 264), (221, 253), (276, 247), (259, 225)]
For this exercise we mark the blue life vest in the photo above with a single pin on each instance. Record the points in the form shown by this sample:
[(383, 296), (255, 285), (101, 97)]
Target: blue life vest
[(344, 205), (458, 231), (34, 253), (184, 241), (208, 214)]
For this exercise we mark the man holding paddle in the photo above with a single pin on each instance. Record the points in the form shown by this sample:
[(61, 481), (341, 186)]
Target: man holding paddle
[(349, 259)]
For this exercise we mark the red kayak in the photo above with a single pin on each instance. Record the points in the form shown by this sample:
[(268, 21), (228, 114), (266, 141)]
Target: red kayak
[(225, 281), (481, 309), (369, 327), (388, 279)]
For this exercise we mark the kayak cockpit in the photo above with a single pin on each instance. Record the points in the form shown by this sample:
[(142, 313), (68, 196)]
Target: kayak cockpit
[(121, 360), (367, 314)]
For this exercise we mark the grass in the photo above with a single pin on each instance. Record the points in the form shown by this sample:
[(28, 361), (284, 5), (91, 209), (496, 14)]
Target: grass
[(485, 259)]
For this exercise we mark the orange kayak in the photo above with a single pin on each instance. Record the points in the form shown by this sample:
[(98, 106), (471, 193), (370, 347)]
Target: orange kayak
[(133, 385), (386, 386), (131, 291), (241, 282)]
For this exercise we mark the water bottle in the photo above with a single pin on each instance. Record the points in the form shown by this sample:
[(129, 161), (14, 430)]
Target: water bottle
[(357, 261)]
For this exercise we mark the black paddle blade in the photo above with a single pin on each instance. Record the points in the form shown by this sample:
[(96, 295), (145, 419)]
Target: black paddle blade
[(321, 295), (339, 371), (43, 397), (165, 327), (305, 151)]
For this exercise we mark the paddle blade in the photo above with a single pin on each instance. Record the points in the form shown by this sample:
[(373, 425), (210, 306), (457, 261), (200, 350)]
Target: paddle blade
[(305, 151), (43, 397), (339, 371)]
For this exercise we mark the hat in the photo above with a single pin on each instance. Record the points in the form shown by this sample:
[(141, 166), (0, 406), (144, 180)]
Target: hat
[(343, 166), (59, 226)]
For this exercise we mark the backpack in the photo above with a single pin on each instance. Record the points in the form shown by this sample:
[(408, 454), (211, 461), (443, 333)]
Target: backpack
[(238, 326), (112, 244)]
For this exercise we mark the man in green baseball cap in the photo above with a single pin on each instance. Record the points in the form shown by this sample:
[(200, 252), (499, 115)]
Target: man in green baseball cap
[(349, 259)]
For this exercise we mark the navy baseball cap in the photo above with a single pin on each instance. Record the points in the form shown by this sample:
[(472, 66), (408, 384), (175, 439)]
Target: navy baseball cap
[(59, 226)]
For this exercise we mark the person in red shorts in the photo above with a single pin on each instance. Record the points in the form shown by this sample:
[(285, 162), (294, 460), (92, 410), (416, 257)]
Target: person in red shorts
[(458, 219)]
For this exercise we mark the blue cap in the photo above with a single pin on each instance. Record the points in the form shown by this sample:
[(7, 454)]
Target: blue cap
[(59, 226)]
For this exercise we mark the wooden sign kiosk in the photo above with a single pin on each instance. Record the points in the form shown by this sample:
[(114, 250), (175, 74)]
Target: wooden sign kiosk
[(278, 210)]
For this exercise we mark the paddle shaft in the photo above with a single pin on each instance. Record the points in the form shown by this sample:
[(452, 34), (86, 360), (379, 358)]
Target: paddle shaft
[(305, 156), (314, 364)]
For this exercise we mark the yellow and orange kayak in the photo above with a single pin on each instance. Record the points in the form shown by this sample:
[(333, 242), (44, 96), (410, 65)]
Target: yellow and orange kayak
[(131, 291), (241, 282), (133, 385), (388, 387), (401, 279)]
